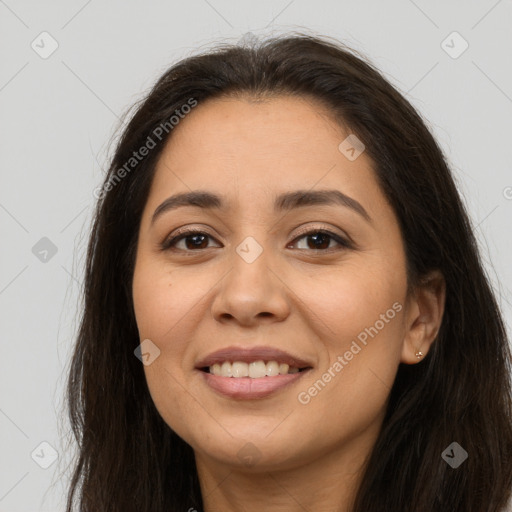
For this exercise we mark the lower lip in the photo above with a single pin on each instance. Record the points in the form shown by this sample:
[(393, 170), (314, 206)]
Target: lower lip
[(246, 388)]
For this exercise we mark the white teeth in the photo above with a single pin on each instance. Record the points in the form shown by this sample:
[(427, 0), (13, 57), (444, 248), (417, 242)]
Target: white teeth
[(257, 369), (240, 369), (254, 370), (272, 369), (225, 369), (283, 368)]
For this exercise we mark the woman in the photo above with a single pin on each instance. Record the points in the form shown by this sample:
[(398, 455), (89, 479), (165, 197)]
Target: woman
[(284, 302)]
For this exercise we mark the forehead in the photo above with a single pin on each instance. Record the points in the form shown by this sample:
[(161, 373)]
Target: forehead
[(258, 129), (257, 149)]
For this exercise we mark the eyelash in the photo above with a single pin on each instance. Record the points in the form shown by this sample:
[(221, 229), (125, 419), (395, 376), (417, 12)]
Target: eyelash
[(169, 243)]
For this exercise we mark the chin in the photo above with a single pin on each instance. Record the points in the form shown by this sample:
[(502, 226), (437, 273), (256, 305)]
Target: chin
[(253, 456), (257, 449)]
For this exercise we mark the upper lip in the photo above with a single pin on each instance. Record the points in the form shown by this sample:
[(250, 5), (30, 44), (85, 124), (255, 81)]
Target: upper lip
[(251, 354)]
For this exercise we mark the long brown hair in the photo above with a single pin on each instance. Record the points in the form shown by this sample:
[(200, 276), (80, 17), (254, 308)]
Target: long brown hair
[(128, 458)]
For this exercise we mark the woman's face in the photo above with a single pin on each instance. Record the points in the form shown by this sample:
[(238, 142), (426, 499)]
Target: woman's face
[(254, 287)]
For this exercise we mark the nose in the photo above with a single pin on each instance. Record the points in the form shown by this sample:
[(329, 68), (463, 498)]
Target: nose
[(251, 293)]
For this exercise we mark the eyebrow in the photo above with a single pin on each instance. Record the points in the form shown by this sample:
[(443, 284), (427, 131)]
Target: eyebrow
[(284, 202)]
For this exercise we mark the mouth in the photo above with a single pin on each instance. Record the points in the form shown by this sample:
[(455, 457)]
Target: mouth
[(252, 370), (251, 373)]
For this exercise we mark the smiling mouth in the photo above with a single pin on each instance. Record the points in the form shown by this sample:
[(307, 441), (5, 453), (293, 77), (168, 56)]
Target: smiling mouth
[(254, 370), (249, 381)]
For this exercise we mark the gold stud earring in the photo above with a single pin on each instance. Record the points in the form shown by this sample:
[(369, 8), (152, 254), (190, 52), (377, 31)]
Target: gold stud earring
[(419, 354)]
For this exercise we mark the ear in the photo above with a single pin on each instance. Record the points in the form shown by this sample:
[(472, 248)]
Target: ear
[(423, 316)]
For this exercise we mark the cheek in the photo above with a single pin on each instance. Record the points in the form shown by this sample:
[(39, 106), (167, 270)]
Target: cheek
[(362, 353), (349, 299), (360, 312), (167, 310), (161, 300), (158, 308)]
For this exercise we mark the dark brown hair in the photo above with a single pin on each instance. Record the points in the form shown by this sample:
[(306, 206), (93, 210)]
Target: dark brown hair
[(129, 459)]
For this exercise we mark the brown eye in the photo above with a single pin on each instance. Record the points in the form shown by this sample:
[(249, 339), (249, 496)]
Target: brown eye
[(320, 240), (316, 239), (193, 240)]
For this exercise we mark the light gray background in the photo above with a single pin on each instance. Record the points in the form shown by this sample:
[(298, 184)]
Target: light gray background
[(58, 113)]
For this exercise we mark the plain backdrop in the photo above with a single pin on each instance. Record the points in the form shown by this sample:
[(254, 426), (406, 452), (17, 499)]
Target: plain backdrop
[(70, 69)]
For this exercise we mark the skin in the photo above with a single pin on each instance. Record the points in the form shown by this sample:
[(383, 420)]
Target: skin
[(313, 303)]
